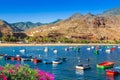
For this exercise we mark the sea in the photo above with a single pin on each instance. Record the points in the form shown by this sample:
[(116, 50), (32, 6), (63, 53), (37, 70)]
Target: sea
[(74, 55)]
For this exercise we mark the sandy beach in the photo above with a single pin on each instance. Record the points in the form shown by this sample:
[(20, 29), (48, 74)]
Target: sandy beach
[(53, 44)]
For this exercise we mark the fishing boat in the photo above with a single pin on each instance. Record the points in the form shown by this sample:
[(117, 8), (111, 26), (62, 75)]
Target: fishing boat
[(96, 52), (46, 49), (46, 61), (55, 51), (112, 49), (111, 72), (2, 56), (36, 60), (88, 49), (105, 65), (108, 50), (7, 57), (57, 61), (92, 47), (18, 58), (114, 71), (22, 50), (83, 66), (26, 58)]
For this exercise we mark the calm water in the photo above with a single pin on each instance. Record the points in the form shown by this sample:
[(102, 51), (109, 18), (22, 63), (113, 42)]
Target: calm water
[(66, 70)]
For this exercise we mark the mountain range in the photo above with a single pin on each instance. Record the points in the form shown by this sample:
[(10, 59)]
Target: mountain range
[(93, 27)]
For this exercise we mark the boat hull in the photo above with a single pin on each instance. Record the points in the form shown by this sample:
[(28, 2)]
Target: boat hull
[(111, 72), (82, 67), (105, 65)]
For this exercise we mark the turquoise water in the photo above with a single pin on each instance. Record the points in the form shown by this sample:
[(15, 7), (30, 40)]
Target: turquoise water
[(66, 70)]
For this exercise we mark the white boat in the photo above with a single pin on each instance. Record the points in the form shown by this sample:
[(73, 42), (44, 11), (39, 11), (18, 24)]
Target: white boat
[(57, 61), (66, 49), (88, 49), (22, 50), (55, 51), (92, 47), (83, 67), (46, 50), (108, 50), (119, 47)]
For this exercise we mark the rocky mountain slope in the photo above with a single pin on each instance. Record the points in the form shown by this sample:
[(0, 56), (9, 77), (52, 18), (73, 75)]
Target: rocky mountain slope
[(21, 26), (89, 26), (5, 28), (113, 11)]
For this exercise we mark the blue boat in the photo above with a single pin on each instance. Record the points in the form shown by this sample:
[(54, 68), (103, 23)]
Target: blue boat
[(46, 61)]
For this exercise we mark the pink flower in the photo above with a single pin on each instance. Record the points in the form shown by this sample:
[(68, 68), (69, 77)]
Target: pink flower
[(45, 75), (17, 65), (11, 70), (1, 68), (3, 77), (49, 76)]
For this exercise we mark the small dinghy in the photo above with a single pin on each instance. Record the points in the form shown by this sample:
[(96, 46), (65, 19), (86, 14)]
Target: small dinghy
[(83, 66), (18, 58), (2, 56), (22, 50), (108, 51), (26, 58), (88, 49), (57, 61), (36, 60), (46, 61), (113, 72), (105, 65), (46, 50), (9, 58)]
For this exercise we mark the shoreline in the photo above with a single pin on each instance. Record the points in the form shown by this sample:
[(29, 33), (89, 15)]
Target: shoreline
[(55, 44)]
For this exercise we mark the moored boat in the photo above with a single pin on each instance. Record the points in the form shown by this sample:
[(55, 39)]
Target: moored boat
[(114, 71), (46, 61), (18, 58), (57, 61), (83, 67), (111, 72), (26, 58), (105, 65), (35, 60), (2, 56)]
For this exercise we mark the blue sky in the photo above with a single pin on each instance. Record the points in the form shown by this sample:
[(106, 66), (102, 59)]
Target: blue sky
[(50, 10)]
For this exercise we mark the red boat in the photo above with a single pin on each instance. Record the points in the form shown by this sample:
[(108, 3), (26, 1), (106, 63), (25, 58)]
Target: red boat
[(18, 58), (111, 72), (37, 60), (112, 49), (12, 58), (114, 71)]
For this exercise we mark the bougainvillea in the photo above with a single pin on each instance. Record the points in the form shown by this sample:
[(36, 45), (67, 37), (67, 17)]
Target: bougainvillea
[(18, 72)]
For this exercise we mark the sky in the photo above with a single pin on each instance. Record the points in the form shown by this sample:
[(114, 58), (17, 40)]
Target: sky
[(50, 10)]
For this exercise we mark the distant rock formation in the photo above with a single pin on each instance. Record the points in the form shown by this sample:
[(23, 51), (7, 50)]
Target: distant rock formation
[(5, 28)]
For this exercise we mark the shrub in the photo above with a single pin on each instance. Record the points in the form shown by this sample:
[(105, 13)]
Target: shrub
[(18, 72)]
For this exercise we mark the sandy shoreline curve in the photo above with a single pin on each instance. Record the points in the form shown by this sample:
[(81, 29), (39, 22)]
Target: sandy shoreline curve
[(54, 44)]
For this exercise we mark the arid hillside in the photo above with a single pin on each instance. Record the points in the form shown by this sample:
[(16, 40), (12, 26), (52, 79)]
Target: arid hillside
[(5, 28), (89, 27)]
